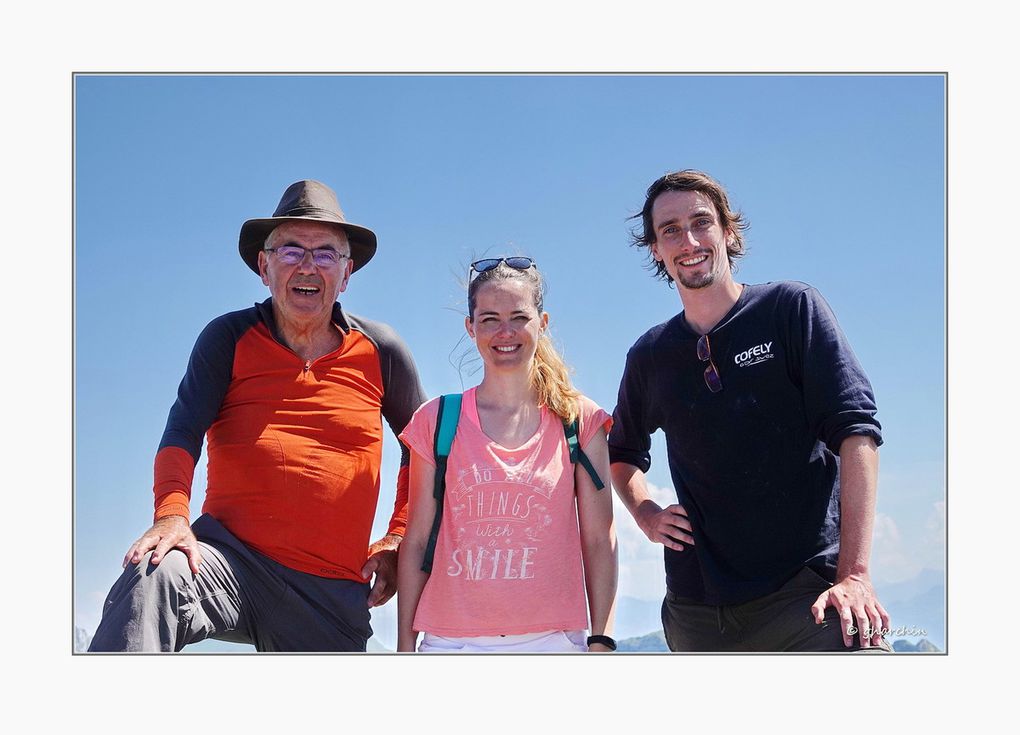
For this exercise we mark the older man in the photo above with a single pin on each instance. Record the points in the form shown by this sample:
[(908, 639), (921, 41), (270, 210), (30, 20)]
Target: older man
[(772, 442), (289, 394)]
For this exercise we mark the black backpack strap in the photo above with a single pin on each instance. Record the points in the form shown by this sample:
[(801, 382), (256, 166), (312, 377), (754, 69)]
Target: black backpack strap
[(577, 454), (446, 429)]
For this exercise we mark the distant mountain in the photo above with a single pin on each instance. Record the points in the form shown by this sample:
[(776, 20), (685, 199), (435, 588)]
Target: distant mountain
[(651, 642), (636, 617), (211, 645), (917, 607), (922, 646), (82, 639), (656, 642), (908, 589)]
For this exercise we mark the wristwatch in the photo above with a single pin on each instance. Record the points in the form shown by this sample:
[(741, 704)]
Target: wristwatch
[(604, 640)]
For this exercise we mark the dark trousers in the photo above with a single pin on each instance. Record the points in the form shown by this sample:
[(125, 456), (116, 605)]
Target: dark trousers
[(781, 621), (239, 595)]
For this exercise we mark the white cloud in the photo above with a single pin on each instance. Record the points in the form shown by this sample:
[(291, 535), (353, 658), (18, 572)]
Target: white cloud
[(889, 560), (89, 610), (886, 531), (642, 574), (935, 525), (900, 552)]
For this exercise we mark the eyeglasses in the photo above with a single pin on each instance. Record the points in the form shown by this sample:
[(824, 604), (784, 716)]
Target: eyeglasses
[(517, 262), (712, 379), (294, 254)]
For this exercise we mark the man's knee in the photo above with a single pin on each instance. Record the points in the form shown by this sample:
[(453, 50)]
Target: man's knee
[(172, 573), (144, 605)]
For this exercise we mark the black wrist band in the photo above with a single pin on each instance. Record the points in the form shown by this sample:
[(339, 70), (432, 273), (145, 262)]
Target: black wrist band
[(604, 640)]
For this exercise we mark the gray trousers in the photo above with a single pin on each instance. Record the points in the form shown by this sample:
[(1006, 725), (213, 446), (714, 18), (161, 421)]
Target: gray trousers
[(781, 621), (239, 595)]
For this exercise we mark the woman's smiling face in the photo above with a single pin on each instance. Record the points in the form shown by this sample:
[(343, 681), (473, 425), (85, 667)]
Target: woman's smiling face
[(506, 324)]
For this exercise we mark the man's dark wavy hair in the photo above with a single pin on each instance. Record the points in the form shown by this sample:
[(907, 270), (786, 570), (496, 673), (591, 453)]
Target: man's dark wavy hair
[(689, 180)]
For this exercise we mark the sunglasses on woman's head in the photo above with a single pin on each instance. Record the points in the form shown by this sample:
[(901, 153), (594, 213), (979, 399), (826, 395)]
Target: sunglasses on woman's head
[(517, 262)]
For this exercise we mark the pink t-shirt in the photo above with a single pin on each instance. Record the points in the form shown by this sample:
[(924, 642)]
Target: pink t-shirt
[(508, 557)]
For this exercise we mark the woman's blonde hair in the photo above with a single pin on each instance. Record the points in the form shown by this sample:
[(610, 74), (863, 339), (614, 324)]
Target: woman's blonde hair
[(550, 376)]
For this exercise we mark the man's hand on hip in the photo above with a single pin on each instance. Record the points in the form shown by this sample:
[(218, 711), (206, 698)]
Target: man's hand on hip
[(169, 532), (668, 526)]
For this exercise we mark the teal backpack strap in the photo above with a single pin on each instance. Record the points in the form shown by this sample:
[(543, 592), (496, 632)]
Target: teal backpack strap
[(446, 429), (577, 454)]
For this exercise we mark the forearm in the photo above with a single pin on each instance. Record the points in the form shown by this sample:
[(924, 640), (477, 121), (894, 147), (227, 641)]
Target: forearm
[(598, 539), (410, 583), (632, 489), (600, 580), (398, 520), (410, 578), (858, 479)]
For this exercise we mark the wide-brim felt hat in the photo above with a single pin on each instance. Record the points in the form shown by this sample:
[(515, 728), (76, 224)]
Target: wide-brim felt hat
[(305, 201)]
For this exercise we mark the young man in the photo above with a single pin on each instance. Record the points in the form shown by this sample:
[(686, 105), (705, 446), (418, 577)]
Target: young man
[(758, 393)]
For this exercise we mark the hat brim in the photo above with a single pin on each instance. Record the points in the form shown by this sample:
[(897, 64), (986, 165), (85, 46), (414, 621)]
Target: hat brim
[(255, 231)]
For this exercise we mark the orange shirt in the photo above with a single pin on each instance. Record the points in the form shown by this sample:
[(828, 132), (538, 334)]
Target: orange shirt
[(294, 448)]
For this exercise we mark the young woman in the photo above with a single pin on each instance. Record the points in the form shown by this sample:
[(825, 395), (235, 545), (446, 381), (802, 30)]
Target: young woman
[(518, 517)]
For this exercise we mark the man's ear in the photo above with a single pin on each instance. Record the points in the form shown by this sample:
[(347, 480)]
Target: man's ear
[(349, 267), (263, 267), (653, 248)]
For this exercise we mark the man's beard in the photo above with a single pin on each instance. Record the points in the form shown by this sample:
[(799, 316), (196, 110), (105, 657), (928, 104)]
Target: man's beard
[(699, 281)]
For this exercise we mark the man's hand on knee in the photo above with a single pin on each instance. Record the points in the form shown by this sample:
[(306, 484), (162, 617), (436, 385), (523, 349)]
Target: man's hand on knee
[(169, 532), (860, 612)]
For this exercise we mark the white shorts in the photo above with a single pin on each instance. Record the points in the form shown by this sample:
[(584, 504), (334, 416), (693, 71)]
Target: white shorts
[(549, 641)]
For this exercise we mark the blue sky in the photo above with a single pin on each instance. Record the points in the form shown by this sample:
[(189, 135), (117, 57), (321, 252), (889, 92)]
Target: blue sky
[(841, 177)]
